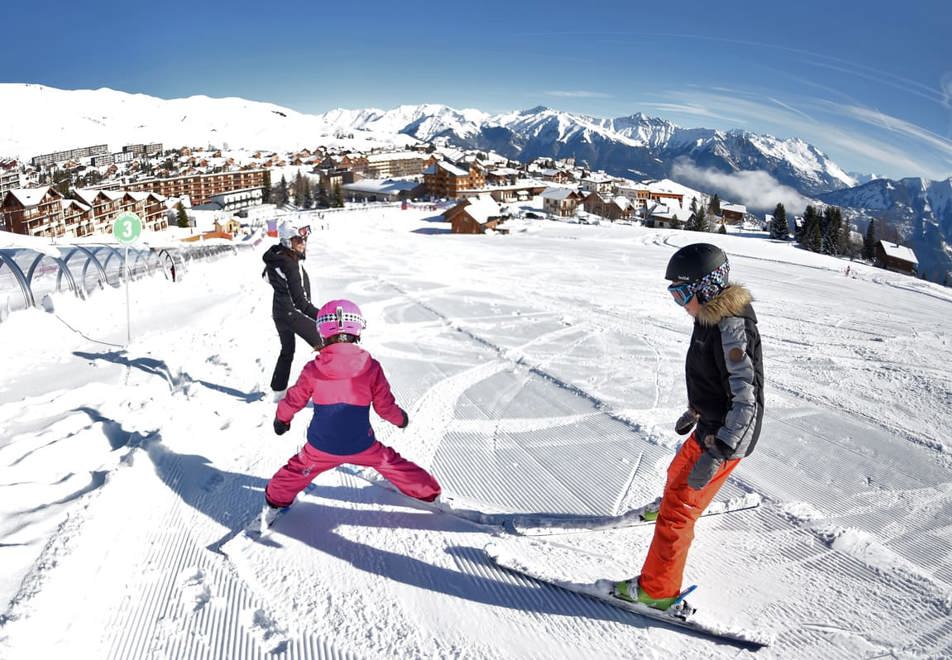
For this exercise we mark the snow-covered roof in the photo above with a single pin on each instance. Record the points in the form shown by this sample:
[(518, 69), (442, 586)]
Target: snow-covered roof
[(899, 252), (73, 202), (30, 196), (380, 186), (449, 167), (622, 202), (735, 208), (557, 193), (138, 196), (395, 155), (598, 177), (482, 208), (86, 194)]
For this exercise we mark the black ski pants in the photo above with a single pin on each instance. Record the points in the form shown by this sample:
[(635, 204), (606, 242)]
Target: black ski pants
[(287, 326)]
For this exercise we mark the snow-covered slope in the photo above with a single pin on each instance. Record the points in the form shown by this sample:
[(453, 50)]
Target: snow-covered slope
[(535, 383), (46, 119)]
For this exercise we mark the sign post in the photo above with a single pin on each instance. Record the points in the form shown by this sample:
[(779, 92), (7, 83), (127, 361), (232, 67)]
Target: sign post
[(126, 228)]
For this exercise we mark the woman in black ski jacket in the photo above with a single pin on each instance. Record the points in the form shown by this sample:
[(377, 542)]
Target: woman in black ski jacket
[(291, 310)]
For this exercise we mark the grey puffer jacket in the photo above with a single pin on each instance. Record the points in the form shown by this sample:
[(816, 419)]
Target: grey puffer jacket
[(725, 374)]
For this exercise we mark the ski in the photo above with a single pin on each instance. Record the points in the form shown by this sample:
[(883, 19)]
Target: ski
[(602, 590), (257, 529), (548, 524)]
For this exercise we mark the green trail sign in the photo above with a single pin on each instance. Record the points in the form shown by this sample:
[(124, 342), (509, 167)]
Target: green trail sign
[(127, 228)]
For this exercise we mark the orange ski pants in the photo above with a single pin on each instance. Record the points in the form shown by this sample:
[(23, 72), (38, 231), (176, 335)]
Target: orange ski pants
[(681, 506)]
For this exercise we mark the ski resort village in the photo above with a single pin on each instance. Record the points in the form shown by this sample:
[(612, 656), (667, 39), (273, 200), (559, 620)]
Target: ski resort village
[(476, 332)]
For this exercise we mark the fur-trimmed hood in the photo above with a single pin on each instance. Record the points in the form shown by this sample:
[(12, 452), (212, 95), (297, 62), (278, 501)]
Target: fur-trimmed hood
[(733, 301)]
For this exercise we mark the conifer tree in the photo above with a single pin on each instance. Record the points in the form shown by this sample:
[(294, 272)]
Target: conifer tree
[(297, 188), (722, 229), (266, 192), (703, 221), (715, 205), (810, 235), (181, 217), (338, 196), (280, 195), (869, 241), (779, 229)]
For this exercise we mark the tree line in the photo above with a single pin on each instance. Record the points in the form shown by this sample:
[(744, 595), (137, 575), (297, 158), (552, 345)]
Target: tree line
[(303, 194)]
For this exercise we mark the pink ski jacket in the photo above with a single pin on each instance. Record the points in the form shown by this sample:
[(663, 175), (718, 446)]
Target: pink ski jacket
[(343, 381)]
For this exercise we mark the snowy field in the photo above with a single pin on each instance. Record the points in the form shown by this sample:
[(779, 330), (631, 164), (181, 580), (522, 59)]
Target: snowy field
[(542, 372)]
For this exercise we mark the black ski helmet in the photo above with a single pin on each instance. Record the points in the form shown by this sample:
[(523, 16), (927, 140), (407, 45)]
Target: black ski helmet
[(693, 262)]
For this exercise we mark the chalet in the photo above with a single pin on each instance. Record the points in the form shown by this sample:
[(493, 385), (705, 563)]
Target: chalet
[(444, 179), (475, 215), (501, 176), (556, 175), (596, 182), (105, 204), (612, 208), (562, 202), (663, 217), (34, 211), (733, 213), (644, 194), (895, 257), (521, 190), (149, 206), (77, 218)]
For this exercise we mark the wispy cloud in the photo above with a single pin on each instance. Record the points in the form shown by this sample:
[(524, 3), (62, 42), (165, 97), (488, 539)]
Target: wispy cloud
[(692, 109), (578, 94), (756, 189), (881, 141)]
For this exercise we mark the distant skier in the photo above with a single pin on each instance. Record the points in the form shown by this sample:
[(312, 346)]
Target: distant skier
[(291, 308), (724, 374), (343, 381)]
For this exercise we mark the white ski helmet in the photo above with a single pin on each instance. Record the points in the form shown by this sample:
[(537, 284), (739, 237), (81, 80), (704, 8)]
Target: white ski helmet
[(286, 231)]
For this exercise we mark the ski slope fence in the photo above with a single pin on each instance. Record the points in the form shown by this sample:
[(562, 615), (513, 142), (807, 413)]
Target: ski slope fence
[(28, 276)]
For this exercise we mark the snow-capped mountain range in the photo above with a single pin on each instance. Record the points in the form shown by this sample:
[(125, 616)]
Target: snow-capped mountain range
[(45, 119), (636, 145)]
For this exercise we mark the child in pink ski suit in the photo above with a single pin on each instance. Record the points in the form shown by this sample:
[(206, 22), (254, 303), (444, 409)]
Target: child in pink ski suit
[(343, 380)]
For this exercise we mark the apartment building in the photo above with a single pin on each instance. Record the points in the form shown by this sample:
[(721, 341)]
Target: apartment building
[(34, 211), (70, 154), (200, 188), (444, 179), (395, 164)]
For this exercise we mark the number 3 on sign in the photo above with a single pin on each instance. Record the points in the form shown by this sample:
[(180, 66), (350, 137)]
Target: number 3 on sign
[(127, 228)]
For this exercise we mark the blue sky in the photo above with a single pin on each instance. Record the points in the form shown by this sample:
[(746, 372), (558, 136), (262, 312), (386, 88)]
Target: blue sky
[(868, 83)]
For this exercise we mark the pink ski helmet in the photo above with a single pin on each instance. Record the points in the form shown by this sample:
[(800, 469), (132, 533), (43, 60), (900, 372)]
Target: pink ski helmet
[(340, 317)]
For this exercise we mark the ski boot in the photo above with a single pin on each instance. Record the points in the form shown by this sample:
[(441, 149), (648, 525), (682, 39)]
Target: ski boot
[(269, 514), (650, 514), (632, 592)]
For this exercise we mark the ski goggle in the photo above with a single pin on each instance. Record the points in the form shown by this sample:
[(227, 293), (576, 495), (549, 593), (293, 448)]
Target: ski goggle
[(304, 231), (682, 292)]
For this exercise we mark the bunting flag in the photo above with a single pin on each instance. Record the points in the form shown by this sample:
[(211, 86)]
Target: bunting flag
[(273, 228)]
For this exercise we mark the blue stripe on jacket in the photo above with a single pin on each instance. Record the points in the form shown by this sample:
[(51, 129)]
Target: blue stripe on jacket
[(340, 428)]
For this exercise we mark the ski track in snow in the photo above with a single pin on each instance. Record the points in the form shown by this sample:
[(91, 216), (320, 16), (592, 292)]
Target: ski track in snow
[(527, 392)]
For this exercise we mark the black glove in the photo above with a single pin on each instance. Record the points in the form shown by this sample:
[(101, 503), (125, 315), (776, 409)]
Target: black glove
[(280, 428), (710, 461), (406, 420), (686, 422)]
